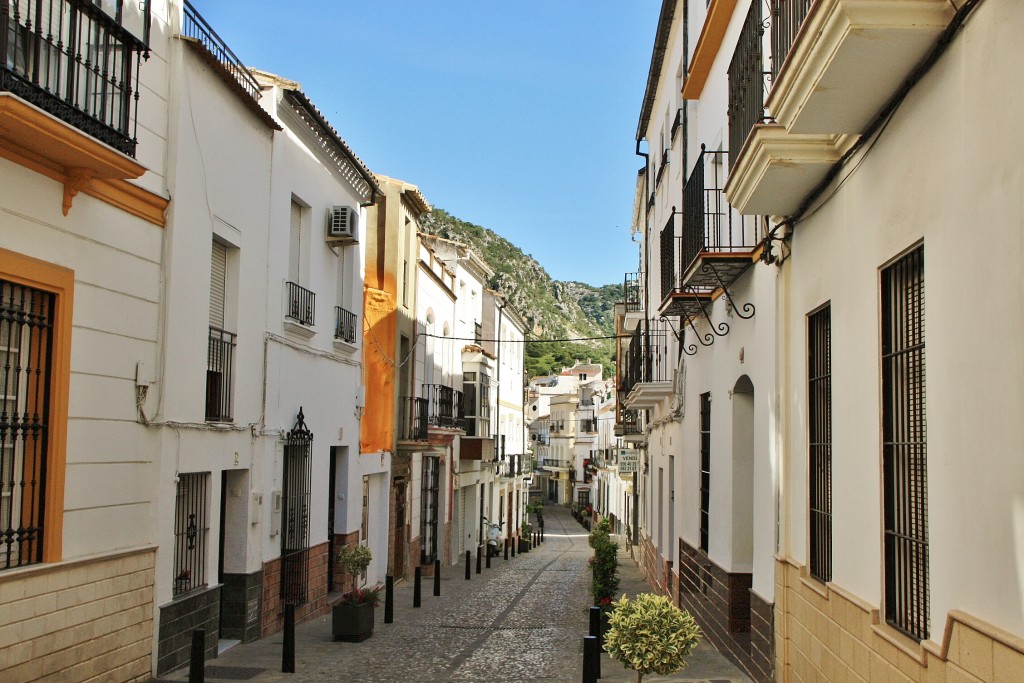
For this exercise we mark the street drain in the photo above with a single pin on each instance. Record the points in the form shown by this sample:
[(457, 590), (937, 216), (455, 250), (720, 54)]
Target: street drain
[(233, 673)]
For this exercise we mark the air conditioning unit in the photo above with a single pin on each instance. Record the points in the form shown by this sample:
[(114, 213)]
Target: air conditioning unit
[(342, 225)]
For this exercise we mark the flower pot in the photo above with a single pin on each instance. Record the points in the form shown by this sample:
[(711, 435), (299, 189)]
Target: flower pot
[(352, 623), (524, 545)]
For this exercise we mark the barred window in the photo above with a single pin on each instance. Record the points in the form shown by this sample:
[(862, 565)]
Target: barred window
[(430, 482), (190, 529), (26, 328), (819, 438), (705, 468), (904, 446)]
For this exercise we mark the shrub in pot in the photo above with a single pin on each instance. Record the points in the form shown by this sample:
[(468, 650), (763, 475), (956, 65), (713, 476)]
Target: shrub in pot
[(650, 635), (352, 617)]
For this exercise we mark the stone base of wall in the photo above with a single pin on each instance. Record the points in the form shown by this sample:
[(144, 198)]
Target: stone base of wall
[(197, 609), (316, 591), (825, 633), (77, 621), (734, 619), (240, 597)]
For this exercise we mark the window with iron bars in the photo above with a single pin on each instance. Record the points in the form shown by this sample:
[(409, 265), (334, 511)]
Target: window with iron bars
[(705, 469), (428, 514), (819, 438), (26, 339), (295, 502), (904, 446), (190, 529)]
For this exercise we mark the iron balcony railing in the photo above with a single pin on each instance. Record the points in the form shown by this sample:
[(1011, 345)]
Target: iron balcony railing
[(220, 362), (301, 304), (748, 81), (669, 257), (631, 292), (344, 325), (444, 406), (647, 358), (74, 61), (555, 462), (630, 422), (194, 26), (787, 17), (710, 224), (413, 418)]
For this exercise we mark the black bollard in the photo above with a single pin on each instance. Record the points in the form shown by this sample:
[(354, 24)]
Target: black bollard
[(416, 588), (197, 663), (468, 572), (478, 560), (437, 577), (595, 627), (514, 543), (489, 553), (389, 599), (506, 548), (591, 659), (288, 652)]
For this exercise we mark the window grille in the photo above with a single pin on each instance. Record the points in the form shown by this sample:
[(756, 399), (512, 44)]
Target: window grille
[(819, 420), (904, 444), (428, 516), (298, 459), (190, 527), (220, 362), (705, 468), (301, 304), (26, 339)]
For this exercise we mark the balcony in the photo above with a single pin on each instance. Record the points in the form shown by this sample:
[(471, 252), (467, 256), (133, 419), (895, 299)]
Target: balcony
[(556, 465), (412, 419), (344, 325), (836, 64), (444, 406), (220, 363), (630, 426), (300, 304), (77, 63), (718, 243), (647, 366)]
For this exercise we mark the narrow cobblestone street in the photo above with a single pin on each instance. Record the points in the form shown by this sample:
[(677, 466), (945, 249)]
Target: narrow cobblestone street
[(521, 620)]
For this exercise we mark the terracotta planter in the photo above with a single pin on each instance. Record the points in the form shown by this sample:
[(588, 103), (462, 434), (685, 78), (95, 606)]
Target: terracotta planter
[(352, 623)]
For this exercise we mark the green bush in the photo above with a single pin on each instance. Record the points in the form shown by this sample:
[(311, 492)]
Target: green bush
[(604, 567), (650, 635)]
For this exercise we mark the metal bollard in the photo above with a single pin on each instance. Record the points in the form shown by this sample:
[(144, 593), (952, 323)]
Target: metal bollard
[(416, 587), (197, 663), (288, 652), (468, 572), (507, 544), (595, 626), (389, 599), (591, 659), (514, 543), (437, 577), (489, 553), (478, 558)]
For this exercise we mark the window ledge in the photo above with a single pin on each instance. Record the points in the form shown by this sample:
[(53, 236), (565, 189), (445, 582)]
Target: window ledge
[(348, 348), (298, 329)]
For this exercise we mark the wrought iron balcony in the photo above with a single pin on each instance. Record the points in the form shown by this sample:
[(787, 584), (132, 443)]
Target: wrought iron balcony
[(301, 304), (74, 61), (556, 464), (717, 242), (748, 81), (444, 406), (344, 325), (630, 424), (220, 365), (631, 292), (787, 17), (670, 256), (647, 359), (413, 417)]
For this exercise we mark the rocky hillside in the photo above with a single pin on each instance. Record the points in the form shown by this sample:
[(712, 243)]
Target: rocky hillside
[(554, 310)]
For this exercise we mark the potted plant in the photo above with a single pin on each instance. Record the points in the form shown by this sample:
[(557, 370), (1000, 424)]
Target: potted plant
[(524, 537), (352, 617), (650, 635)]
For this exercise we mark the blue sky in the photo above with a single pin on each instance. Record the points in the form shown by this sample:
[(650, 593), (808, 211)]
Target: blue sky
[(517, 116)]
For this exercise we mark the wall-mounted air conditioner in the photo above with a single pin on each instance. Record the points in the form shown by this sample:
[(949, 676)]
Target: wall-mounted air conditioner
[(342, 225)]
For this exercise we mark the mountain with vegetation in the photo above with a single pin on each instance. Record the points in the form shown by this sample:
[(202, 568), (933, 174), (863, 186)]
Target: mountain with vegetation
[(554, 311)]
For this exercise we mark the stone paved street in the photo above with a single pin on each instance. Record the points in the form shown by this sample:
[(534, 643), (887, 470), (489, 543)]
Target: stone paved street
[(521, 620)]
